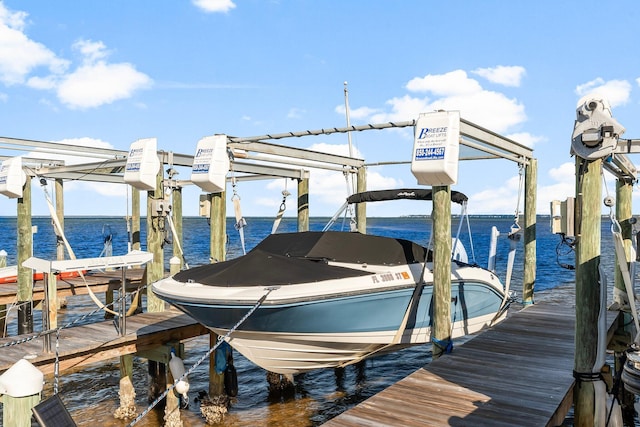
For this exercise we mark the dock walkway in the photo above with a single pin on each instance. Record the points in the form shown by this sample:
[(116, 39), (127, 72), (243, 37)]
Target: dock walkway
[(82, 345), (519, 372)]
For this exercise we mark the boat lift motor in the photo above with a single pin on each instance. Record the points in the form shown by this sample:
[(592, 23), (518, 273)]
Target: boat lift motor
[(595, 132)]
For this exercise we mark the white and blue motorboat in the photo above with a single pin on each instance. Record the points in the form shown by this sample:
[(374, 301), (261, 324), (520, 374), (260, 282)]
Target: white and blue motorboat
[(334, 298)]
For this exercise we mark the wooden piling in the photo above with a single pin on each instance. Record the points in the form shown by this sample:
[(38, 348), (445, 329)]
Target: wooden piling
[(127, 393), (135, 219), (59, 191), (361, 208), (441, 328), (176, 212), (624, 192), (16, 411), (218, 231), (217, 226), (155, 271), (25, 249), (155, 236), (529, 275), (303, 204), (588, 222)]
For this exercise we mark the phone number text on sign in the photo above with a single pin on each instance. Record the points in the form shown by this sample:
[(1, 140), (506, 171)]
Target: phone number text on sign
[(430, 153)]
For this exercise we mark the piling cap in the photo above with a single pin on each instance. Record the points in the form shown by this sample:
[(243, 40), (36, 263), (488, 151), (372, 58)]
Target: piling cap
[(22, 379)]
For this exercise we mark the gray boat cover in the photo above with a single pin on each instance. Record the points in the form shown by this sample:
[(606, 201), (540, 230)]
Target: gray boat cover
[(293, 258)]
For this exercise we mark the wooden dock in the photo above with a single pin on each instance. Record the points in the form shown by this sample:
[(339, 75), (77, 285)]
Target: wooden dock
[(83, 345), (518, 373), (97, 281)]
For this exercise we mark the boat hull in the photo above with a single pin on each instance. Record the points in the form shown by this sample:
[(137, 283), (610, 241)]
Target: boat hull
[(294, 337)]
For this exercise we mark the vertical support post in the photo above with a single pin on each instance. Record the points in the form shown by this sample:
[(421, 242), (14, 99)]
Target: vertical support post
[(155, 230), (59, 187), (172, 404), (127, 408), (17, 410), (176, 212), (217, 226), (135, 219), (303, 204), (3, 307), (530, 191), (624, 214), (361, 208), (51, 293), (154, 272), (441, 325), (588, 222), (25, 249), (123, 303), (45, 314), (217, 253), (624, 190)]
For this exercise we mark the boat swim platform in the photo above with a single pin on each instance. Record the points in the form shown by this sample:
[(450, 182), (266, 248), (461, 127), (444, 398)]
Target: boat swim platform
[(97, 281), (97, 342), (519, 372)]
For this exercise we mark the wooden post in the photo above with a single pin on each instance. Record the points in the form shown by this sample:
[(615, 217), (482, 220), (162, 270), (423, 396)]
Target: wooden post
[(59, 187), (217, 226), (176, 212), (218, 231), (135, 219), (361, 208), (441, 324), (624, 214), (155, 235), (17, 410), (303, 204), (172, 406), (529, 276), (127, 408), (155, 272), (25, 249), (624, 190), (588, 224)]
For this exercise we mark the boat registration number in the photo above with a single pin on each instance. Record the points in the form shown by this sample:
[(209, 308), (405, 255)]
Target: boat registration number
[(389, 277)]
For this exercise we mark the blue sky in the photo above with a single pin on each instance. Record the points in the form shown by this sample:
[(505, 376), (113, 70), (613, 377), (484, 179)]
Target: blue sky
[(106, 73)]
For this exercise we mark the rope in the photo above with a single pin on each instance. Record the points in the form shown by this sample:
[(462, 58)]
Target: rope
[(202, 359)]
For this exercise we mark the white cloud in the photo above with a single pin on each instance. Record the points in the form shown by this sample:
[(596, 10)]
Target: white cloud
[(95, 82), (454, 91), (295, 113), (617, 92), (356, 113), (496, 199), (563, 186), (20, 56), (91, 51), (212, 6), (101, 83), (504, 75), (525, 138), (448, 84)]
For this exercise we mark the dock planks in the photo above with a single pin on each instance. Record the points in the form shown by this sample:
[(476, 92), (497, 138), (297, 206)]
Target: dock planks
[(96, 342), (519, 372)]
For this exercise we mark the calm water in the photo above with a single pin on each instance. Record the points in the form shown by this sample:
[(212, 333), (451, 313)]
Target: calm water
[(92, 394)]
